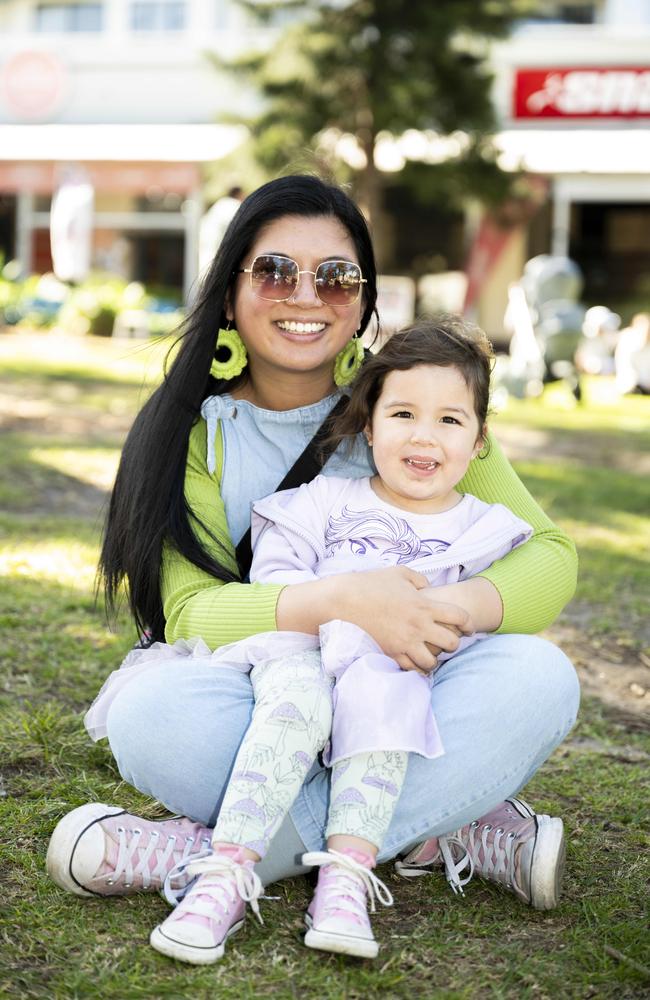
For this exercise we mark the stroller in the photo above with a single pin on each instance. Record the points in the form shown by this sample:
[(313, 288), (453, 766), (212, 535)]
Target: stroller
[(546, 320)]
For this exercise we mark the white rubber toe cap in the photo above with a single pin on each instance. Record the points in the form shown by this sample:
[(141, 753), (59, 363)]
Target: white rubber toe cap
[(77, 846)]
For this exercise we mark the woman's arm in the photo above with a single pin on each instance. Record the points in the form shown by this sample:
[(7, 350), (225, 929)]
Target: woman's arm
[(535, 580), (195, 603)]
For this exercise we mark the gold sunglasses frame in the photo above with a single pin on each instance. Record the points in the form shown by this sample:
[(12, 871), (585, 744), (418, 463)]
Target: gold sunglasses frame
[(249, 271)]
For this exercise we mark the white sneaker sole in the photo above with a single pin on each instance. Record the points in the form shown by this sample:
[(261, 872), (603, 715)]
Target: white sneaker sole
[(341, 944), (64, 839), (186, 952), (547, 866)]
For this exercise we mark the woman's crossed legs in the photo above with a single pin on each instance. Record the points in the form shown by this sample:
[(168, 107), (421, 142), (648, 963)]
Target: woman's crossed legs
[(502, 706)]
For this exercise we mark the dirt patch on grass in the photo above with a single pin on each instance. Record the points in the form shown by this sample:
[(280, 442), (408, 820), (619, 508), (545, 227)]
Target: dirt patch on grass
[(28, 407), (611, 668), (618, 676), (596, 448), (32, 415)]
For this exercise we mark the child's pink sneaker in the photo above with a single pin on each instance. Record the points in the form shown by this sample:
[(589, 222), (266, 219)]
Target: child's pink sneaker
[(211, 910), (337, 917), (100, 850), (512, 845)]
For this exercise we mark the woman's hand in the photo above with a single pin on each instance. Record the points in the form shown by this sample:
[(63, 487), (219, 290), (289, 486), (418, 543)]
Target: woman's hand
[(391, 605)]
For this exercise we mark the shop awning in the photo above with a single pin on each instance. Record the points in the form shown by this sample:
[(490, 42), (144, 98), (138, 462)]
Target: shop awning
[(622, 150), (199, 143)]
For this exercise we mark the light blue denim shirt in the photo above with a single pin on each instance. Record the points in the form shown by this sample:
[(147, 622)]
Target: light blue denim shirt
[(260, 446)]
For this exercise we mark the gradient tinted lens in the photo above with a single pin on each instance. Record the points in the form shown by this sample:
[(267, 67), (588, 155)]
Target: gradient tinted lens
[(338, 282), (274, 277)]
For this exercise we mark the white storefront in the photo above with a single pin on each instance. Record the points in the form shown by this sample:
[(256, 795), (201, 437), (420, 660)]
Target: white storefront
[(574, 102), (125, 91)]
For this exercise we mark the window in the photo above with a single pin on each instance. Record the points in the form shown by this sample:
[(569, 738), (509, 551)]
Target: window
[(222, 16), (557, 12), (158, 15), (68, 17)]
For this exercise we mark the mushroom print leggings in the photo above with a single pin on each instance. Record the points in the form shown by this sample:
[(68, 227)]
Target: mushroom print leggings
[(291, 724)]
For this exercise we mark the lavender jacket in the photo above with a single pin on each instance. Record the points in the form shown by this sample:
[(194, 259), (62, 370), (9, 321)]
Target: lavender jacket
[(333, 525)]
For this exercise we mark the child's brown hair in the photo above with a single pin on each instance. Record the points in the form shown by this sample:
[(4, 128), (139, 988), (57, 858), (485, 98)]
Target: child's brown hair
[(446, 341)]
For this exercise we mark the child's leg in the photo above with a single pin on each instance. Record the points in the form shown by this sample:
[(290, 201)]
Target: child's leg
[(291, 722), (364, 792)]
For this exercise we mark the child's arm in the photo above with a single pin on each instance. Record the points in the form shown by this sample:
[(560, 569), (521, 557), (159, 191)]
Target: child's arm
[(281, 556)]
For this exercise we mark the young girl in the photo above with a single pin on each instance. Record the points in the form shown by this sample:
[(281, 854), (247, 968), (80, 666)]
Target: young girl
[(421, 403)]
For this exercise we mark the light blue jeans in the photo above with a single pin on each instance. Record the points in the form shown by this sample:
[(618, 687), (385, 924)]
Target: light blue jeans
[(502, 707)]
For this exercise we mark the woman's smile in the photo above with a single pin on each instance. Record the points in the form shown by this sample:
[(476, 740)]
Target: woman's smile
[(300, 329)]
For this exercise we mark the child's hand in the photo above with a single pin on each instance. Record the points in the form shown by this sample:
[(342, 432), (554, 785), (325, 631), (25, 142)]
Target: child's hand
[(478, 596)]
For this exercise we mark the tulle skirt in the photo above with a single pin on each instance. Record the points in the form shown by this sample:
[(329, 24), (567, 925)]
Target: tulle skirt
[(377, 706)]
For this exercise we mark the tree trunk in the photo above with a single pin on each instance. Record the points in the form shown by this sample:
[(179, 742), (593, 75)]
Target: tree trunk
[(369, 190)]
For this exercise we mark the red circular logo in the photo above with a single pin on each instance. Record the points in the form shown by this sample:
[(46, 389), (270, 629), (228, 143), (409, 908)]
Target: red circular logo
[(33, 84)]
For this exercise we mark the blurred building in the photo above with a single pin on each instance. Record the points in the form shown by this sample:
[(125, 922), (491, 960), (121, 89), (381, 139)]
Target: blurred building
[(573, 96), (122, 91)]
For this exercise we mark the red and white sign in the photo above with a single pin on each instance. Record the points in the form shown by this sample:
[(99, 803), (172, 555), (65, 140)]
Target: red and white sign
[(582, 92)]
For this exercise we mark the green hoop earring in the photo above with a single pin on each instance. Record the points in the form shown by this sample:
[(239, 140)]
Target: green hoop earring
[(230, 355), (348, 362)]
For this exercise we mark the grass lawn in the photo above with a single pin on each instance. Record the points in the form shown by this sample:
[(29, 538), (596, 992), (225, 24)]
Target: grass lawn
[(65, 407)]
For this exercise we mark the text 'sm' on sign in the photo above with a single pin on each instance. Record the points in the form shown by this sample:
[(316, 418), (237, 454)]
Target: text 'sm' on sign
[(582, 92)]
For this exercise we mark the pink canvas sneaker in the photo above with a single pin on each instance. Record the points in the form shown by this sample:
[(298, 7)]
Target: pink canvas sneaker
[(100, 850), (511, 845), (337, 917), (211, 910)]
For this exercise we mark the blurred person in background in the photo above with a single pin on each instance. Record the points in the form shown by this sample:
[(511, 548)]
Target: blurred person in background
[(595, 352), (214, 223), (632, 356)]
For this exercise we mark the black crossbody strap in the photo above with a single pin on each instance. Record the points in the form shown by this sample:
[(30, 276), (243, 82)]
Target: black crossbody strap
[(304, 469)]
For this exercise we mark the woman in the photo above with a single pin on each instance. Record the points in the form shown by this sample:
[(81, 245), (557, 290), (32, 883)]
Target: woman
[(295, 275)]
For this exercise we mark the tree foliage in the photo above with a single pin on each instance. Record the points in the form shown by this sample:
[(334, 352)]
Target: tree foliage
[(344, 73)]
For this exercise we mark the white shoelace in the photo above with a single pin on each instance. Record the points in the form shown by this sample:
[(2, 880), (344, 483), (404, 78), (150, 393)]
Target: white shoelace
[(246, 881), (453, 868), (498, 858), (498, 861), (127, 847), (376, 889)]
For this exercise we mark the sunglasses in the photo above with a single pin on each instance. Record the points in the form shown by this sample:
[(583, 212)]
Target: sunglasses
[(336, 282)]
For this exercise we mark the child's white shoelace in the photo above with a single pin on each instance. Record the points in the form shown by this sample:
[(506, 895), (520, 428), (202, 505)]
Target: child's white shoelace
[(376, 889), (247, 882)]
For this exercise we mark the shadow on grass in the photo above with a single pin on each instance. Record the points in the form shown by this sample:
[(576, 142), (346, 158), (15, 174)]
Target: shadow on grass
[(57, 644), (30, 487), (88, 379), (601, 494)]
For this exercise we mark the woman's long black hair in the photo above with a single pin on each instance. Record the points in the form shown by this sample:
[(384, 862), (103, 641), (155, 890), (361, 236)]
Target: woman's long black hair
[(147, 506)]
